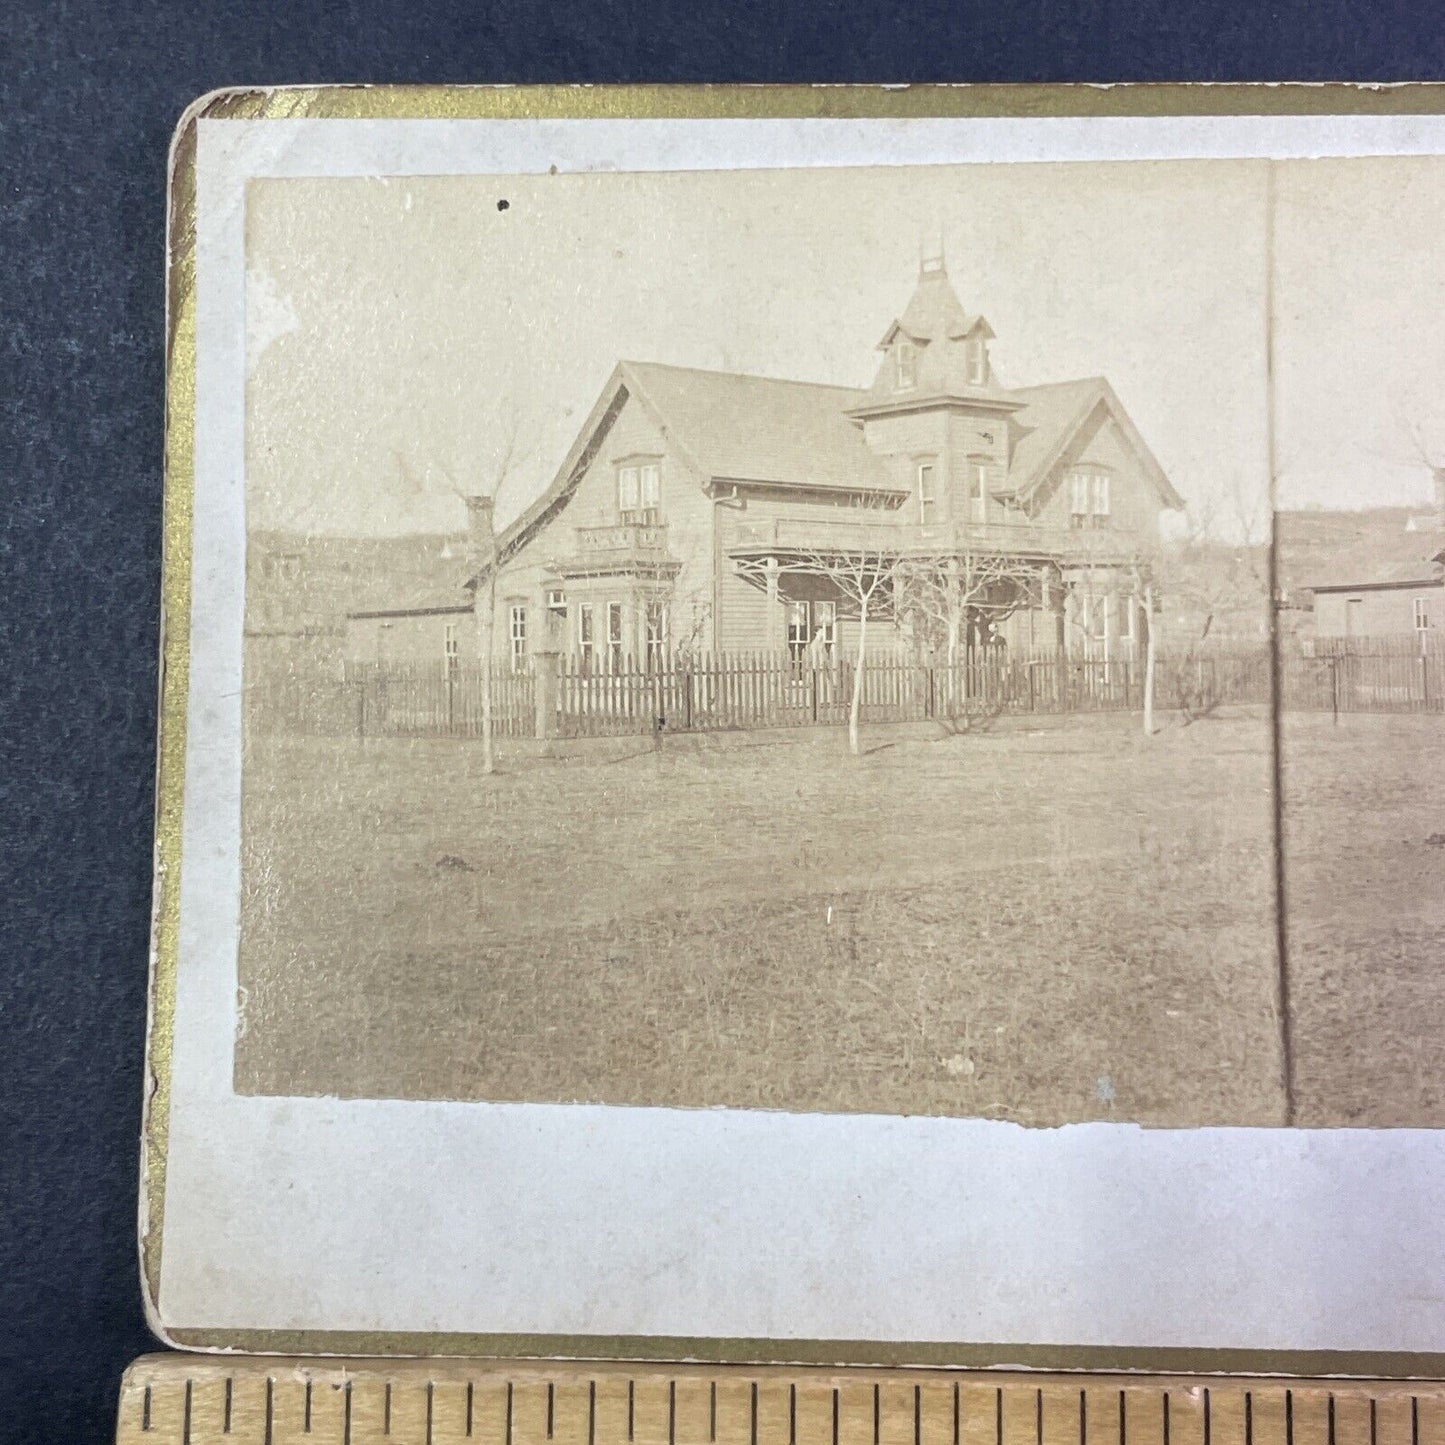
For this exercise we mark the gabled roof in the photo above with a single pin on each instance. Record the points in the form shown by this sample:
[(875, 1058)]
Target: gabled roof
[(1346, 550), (1052, 417), (759, 428), (762, 429)]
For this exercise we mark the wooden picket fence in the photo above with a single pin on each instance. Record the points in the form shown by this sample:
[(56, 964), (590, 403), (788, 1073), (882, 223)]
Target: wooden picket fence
[(425, 700), (720, 692), (1337, 680)]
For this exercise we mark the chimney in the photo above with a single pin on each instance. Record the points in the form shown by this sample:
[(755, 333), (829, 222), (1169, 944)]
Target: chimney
[(481, 535)]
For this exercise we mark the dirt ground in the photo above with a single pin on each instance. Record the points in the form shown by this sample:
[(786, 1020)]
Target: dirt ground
[(1044, 923), (1365, 906)]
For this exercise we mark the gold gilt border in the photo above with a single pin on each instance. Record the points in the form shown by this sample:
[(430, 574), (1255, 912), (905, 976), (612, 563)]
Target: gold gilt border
[(387, 102)]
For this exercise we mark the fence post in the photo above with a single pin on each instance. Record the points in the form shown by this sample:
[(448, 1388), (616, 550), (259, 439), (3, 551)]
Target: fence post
[(544, 694), (1335, 691), (687, 694)]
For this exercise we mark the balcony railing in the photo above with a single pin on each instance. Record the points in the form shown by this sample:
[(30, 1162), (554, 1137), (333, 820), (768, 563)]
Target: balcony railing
[(623, 539), (800, 534)]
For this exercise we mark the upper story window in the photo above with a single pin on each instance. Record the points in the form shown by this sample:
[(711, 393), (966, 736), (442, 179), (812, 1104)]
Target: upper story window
[(978, 492), (927, 492), (905, 364), (557, 602), (977, 360), (639, 489), (1422, 613), (451, 649), (1089, 500)]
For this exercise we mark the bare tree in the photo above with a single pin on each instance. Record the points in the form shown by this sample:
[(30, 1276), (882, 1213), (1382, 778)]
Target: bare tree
[(864, 570), (1215, 582), (953, 600), (484, 548)]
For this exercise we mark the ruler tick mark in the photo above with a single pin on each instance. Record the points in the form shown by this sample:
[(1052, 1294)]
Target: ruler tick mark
[(592, 1412), (306, 1417), (955, 1413), (877, 1414), (792, 1415), (226, 1409), (1166, 1419), (630, 1414), (1039, 1416), (1248, 1418), (1414, 1420), (270, 1409), (1123, 1422), (998, 1416), (386, 1410), (1373, 1437), (430, 1401), (1329, 1420), (835, 1415), (672, 1412), (1289, 1417), (551, 1406), (712, 1411), (509, 1416), (1206, 1415), (753, 1415), (186, 1417), (917, 1416), (145, 1409), (1083, 1417), (346, 1413), (471, 1405)]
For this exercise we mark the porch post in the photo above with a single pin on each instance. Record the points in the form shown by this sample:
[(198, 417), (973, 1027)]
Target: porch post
[(777, 637)]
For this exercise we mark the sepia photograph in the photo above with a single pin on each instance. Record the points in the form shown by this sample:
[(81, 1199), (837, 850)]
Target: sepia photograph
[(948, 640)]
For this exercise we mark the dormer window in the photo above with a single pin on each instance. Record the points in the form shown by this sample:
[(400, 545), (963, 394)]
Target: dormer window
[(639, 490), (905, 364), (977, 359)]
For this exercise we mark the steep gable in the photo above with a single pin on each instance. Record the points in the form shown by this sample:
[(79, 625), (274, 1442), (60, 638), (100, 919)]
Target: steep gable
[(1052, 416)]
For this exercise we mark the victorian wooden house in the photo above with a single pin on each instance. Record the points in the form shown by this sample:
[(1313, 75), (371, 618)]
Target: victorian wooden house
[(697, 510)]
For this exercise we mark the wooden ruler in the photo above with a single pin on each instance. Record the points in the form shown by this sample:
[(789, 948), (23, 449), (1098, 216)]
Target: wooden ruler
[(204, 1400)]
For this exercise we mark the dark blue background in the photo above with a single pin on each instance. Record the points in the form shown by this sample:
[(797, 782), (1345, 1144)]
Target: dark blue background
[(90, 93)]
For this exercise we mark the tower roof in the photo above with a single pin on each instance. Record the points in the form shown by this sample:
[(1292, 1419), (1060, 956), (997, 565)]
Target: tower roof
[(934, 313)]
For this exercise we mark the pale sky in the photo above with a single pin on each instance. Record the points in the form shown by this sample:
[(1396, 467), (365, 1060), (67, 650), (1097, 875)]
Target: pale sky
[(398, 329)]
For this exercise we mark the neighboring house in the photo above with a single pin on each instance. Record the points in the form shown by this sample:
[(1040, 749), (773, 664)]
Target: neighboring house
[(1396, 601), (694, 506)]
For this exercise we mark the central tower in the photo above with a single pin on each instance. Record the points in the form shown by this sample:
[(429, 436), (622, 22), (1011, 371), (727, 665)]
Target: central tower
[(935, 414)]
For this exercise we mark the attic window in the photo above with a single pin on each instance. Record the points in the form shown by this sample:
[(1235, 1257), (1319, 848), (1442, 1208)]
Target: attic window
[(977, 362), (1089, 505), (905, 363), (639, 489)]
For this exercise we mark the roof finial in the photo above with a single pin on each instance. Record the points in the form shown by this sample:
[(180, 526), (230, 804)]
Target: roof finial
[(930, 252)]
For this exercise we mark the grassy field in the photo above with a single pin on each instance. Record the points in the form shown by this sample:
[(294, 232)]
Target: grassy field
[(1365, 905), (1047, 924)]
